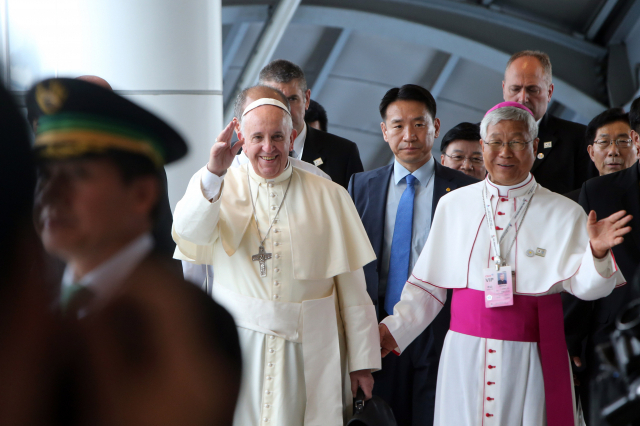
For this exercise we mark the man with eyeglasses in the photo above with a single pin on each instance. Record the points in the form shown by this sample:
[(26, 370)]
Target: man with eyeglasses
[(461, 150), (561, 161), (504, 359), (614, 144), (396, 204)]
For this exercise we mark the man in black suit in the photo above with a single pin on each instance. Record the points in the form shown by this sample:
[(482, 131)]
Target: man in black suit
[(407, 382), (591, 323), (609, 144), (336, 156), (562, 163)]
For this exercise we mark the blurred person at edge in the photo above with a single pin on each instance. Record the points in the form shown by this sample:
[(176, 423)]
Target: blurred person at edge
[(506, 364), (28, 329), (561, 163), (162, 228), (615, 143), (142, 345), (460, 150)]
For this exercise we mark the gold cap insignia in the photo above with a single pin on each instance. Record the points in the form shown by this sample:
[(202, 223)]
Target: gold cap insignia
[(50, 99)]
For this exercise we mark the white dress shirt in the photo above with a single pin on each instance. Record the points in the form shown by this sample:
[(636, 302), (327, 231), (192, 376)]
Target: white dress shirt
[(107, 277), (298, 144), (422, 205)]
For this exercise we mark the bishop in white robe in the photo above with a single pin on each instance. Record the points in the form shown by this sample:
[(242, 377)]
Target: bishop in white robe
[(291, 275), (506, 365)]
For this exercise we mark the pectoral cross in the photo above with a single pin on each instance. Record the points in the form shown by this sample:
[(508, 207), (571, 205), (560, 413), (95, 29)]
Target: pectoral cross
[(262, 257)]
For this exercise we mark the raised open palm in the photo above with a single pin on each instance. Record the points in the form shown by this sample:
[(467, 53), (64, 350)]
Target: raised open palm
[(222, 153), (607, 233)]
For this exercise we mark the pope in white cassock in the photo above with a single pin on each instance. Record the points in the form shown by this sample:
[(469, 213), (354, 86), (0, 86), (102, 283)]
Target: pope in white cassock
[(504, 360), (287, 248)]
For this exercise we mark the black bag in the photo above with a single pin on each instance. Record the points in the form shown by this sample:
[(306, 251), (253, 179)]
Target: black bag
[(374, 412)]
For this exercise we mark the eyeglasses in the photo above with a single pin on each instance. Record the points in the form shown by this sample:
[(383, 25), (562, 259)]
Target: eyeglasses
[(460, 159), (513, 145), (620, 143)]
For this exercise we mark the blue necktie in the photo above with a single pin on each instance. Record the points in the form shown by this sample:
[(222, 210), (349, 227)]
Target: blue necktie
[(400, 246)]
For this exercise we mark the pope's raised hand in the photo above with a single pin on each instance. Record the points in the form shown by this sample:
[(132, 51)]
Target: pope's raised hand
[(222, 153), (607, 233)]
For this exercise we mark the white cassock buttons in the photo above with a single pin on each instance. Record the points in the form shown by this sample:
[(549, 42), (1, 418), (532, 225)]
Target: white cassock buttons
[(273, 207), (266, 420), (277, 283), (273, 194), (270, 184), (276, 244), (275, 296), (277, 256), (272, 337), (268, 377), (269, 365), (277, 270), (271, 351)]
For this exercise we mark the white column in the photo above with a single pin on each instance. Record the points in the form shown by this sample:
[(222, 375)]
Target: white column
[(163, 54)]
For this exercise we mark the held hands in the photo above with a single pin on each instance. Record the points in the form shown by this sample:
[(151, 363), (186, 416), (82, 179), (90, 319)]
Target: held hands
[(364, 380), (222, 153), (607, 233), (387, 342)]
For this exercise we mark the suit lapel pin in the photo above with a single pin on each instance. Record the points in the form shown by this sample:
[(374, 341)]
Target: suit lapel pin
[(540, 156), (530, 253), (540, 252), (548, 144), (318, 162), (448, 189)]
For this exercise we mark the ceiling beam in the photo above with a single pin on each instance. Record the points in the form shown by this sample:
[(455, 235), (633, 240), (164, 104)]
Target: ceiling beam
[(600, 19), (627, 23), (419, 34), (328, 65), (232, 44), (267, 43), (444, 75)]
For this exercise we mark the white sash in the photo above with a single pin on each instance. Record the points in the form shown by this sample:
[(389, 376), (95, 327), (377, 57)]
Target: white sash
[(312, 323)]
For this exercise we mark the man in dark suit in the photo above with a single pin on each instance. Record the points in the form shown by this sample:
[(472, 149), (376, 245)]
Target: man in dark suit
[(336, 156), (387, 199), (562, 163), (591, 323), (143, 346), (609, 144)]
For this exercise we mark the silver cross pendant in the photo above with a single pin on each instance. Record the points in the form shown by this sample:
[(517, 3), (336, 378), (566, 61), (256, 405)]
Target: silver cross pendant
[(262, 257)]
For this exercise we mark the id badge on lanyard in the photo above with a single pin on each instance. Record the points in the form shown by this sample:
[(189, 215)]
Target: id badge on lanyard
[(499, 282), (498, 287)]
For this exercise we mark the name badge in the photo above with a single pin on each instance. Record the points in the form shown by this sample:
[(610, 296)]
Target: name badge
[(498, 287)]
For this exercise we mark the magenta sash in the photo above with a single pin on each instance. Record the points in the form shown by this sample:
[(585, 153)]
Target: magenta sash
[(530, 319)]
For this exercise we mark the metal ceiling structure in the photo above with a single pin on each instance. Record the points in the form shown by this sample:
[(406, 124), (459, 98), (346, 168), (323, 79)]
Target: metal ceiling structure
[(352, 51)]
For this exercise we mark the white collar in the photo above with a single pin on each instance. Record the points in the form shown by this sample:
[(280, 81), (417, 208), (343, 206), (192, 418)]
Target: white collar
[(298, 144), (106, 277), (510, 191), (422, 174)]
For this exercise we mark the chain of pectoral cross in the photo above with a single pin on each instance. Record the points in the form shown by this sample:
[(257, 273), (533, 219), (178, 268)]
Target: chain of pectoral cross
[(263, 256)]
